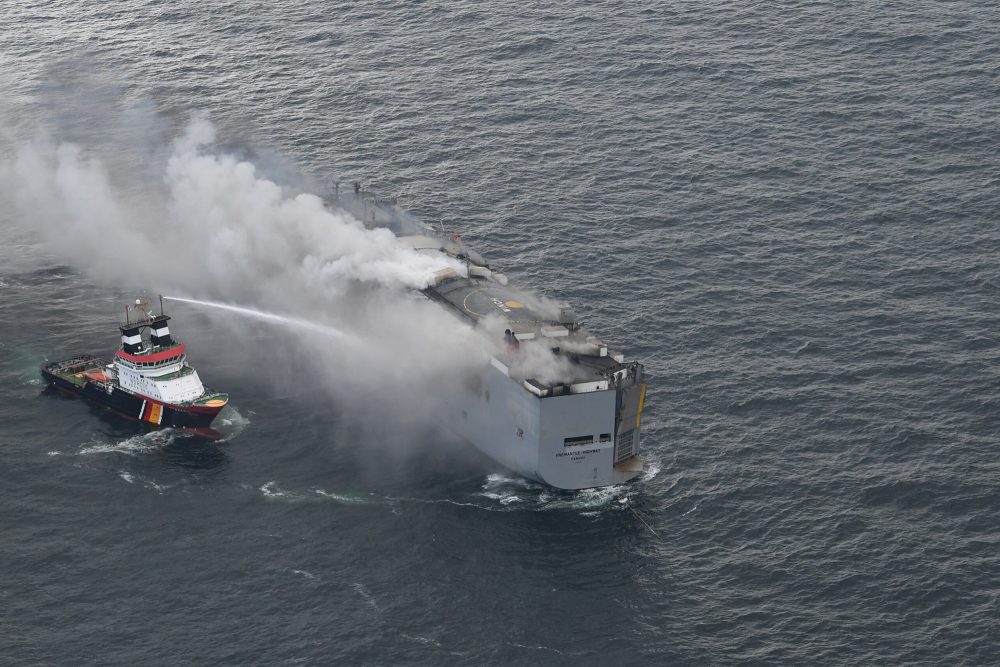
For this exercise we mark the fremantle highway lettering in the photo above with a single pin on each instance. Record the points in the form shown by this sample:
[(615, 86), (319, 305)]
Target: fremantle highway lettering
[(580, 454)]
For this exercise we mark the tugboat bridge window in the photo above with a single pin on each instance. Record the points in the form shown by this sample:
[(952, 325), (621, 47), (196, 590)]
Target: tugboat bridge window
[(153, 364)]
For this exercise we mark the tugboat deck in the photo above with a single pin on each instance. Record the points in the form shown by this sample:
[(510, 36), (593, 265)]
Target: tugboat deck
[(79, 370)]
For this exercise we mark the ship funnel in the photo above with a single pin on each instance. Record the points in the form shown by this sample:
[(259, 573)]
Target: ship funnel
[(131, 340), (159, 332)]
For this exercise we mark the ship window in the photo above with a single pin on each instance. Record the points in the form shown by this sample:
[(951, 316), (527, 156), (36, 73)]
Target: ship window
[(605, 437), (579, 440)]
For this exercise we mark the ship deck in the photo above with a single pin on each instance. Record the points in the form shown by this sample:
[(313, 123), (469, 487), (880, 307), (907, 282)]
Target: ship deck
[(78, 370), (476, 299), (484, 297)]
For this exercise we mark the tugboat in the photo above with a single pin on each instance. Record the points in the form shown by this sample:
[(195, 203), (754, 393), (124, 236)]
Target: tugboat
[(149, 379)]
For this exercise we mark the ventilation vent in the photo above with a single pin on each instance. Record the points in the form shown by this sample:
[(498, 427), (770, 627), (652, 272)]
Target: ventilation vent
[(627, 446)]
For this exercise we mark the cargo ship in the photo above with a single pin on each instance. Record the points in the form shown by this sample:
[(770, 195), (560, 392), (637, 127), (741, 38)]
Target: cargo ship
[(148, 379), (572, 427)]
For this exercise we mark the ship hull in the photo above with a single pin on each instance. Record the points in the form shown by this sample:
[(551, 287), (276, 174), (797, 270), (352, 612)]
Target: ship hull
[(574, 425), (135, 407), (528, 435)]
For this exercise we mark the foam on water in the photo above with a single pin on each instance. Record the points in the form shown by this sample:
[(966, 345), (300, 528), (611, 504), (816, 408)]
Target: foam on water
[(607, 497), (503, 499), (270, 490), (421, 640), (498, 480), (363, 592), (650, 470), (341, 498), (132, 446), (137, 479), (516, 493), (230, 422)]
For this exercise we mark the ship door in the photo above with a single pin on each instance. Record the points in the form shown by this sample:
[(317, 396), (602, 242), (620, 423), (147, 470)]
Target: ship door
[(630, 400)]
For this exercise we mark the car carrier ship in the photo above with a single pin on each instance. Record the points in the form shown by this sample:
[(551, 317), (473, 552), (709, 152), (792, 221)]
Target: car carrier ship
[(580, 430), (149, 379)]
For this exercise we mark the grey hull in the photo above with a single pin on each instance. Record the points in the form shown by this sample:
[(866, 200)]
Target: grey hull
[(528, 434), (574, 431)]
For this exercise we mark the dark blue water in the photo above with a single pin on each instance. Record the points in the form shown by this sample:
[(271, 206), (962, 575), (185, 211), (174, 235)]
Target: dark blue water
[(788, 212)]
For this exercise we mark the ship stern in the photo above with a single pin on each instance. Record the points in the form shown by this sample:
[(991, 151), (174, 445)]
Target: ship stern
[(592, 438)]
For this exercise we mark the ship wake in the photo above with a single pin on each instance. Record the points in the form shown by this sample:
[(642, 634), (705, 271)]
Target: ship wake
[(133, 446), (515, 493)]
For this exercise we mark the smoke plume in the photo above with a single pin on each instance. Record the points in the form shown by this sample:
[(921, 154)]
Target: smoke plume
[(204, 224), (213, 226)]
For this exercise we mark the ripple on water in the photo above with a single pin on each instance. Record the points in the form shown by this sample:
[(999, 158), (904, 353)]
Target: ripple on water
[(134, 445)]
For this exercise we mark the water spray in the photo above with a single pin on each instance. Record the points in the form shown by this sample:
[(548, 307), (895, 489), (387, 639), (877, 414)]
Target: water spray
[(285, 320)]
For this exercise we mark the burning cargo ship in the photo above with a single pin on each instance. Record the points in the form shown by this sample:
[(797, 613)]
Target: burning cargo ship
[(578, 430)]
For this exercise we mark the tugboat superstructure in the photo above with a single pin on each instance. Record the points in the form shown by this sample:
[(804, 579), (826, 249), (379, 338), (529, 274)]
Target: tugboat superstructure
[(149, 379)]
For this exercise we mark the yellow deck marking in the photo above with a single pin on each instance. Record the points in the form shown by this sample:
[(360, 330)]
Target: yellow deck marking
[(513, 304), (465, 303), (642, 401), (215, 402)]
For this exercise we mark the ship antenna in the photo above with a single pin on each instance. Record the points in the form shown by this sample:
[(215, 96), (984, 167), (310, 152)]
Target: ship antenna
[(126, 313)]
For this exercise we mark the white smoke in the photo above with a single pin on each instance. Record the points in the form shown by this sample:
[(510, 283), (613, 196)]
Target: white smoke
[(209, 226), (212, 227), (200, 223), (534, 359)]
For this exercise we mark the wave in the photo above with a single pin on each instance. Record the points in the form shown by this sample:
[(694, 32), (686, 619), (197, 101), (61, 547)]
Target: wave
[(137, 444), (271, 490), (516, 493)]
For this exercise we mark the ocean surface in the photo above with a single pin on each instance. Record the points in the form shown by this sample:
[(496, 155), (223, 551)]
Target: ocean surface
[(788, 211)]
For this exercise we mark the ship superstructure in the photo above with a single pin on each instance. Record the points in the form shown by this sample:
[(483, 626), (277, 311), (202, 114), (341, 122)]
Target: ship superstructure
[(148, 379), (556, 404)]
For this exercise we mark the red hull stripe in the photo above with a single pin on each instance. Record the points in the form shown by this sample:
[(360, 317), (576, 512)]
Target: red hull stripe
[(159, 356), (197, 409)]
